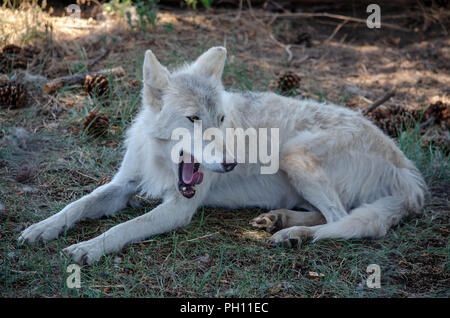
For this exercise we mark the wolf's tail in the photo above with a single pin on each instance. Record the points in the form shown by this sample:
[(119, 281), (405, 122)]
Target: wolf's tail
[(374, 219)]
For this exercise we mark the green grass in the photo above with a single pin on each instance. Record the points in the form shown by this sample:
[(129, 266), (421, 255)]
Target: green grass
[(218, 254), (234, 262), (431, 161)]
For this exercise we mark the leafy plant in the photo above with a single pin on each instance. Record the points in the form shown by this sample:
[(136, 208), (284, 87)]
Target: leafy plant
[(146, 11), (193, 3), (117, 7), (168, 27)]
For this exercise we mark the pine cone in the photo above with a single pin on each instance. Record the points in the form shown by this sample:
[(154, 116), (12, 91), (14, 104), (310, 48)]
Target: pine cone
[(96, 124), (288, 82), (440, 111), (390, 125), (12, 95), (10, 62), (392, 120), (96, 85), (397, 110), (30, 51), (417, 114), (12, 58), (27, 51), (445, 124), (12, 49)]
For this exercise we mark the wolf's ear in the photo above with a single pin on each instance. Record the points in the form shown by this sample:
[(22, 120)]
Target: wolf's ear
[(211, 63), (156, 79)]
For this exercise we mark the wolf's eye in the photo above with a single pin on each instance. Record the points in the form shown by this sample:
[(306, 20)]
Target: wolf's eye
[(193, 118), (222, 118)]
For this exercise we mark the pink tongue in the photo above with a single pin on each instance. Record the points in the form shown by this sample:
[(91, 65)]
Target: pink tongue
[(188, 175)]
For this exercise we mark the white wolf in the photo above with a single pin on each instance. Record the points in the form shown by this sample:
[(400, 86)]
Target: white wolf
[(352, 180)]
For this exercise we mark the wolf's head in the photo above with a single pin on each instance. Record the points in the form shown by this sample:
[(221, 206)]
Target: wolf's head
[(189, 101)]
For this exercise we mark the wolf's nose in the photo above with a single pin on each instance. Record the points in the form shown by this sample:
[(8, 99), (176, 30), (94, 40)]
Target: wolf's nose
[(228, 166)]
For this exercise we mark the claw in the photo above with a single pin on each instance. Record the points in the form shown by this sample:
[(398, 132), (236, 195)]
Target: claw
[(269, 222)]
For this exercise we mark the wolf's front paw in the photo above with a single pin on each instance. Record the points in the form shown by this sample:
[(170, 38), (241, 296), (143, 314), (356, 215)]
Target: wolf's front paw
[(45, 230), (290, 237), (86, 252), (271, 222)]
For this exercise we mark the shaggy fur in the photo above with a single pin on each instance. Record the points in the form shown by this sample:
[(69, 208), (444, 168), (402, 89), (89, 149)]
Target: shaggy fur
[(352, 180)]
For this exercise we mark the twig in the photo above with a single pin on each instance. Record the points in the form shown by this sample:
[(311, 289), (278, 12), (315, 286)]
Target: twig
[(79, 78), (334, 16), (336, 30), (28, 77), (287, 47), (238, 16), (300, 61), (195, 25), (100, 57), (380, 101), (147, 241), (200, 237), (107, 286), (23, 272), (84, 175), (275, 16), (250, 9), (428, 122), (425, 17)]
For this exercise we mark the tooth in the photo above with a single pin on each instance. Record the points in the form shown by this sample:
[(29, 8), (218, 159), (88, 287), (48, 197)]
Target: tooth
[(183, 188), (194, 188)]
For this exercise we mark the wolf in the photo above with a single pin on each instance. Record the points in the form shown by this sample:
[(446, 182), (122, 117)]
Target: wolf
[(339, 176)]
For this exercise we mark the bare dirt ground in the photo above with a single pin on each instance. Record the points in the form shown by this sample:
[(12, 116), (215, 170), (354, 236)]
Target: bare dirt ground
[(47, 160)]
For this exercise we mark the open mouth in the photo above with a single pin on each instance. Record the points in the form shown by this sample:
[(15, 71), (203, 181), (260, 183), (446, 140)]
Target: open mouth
[(188, 176)]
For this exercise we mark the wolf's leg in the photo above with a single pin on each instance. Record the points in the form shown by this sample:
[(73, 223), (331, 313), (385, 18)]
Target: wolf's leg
[(366, 221), (105, 200), (306, 175), (169, 215), (276, 220)]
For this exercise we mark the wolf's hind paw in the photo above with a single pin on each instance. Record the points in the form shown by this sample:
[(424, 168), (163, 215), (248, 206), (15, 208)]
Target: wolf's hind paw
[(290, 237), (270, 222)]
